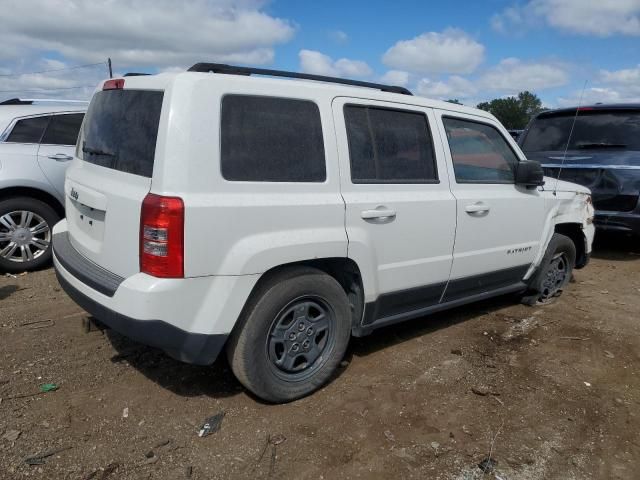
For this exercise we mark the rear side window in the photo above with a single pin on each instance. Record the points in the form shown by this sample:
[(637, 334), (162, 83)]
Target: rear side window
[(268, 139), (63, 129), (594, 129), (29, 130), (479, 152), (389, 146), (121, 129)]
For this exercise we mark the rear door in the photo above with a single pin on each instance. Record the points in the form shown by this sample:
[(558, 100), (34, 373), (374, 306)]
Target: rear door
[(400, 214), (499, 224), (105, 187), (57, 147)]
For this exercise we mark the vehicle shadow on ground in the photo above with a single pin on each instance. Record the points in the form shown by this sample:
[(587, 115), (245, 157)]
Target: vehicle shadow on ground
[(180, 378), (396, 334), (616, 246), (217, 380), (8, 290)]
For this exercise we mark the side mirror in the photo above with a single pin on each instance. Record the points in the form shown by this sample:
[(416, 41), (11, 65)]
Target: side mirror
[(529, 174)]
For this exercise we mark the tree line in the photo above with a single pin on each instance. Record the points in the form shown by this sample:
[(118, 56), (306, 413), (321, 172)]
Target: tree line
[(513, 112)]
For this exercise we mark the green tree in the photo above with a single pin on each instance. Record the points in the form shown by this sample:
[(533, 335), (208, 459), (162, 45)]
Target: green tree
[(514, 112)]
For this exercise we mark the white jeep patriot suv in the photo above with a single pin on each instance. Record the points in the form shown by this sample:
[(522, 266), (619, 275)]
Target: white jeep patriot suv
[(274, 218)]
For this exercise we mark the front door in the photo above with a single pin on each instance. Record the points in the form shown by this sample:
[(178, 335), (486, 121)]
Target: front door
[(499, 224), (400, 213), (57, 147)]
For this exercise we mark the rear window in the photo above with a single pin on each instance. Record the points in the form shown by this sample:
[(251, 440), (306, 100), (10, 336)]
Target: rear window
[(29, 130), (63, 129), (593, 130), (269, 139), (121, 129)]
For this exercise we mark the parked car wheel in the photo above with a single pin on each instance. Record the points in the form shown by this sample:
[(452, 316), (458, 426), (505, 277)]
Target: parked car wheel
[(26, 226), (292, 336), (555, 271)]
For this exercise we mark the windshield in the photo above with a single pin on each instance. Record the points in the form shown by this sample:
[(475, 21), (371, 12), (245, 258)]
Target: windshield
[(593, 130), (120, 130)]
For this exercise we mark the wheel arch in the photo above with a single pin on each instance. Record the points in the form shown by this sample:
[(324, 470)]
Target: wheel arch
[(344, 270), (38, 194), (574, 232)]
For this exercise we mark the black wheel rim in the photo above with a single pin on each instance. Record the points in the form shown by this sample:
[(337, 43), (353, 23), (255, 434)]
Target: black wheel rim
[(301, 338), (555, 276)]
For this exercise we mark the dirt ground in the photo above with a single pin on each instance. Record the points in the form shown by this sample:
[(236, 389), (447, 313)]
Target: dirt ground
[(547, 392)]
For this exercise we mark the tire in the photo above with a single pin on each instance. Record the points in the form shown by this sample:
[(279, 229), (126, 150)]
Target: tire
[(26, 226), (262, 348), (554, 273)]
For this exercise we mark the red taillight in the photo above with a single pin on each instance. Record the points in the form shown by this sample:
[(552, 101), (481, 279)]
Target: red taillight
[(162, 236), (114, 84)]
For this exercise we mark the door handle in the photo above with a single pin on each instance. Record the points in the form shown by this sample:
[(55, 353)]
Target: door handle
[(478, 207), (60, 157), (379, 213)]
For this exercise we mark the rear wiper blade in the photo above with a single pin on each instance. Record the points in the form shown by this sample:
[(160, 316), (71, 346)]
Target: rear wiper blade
[(97, 151), (601, 145)]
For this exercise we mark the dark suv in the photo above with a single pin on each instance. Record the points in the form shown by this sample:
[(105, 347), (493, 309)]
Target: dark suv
[(603, 154)]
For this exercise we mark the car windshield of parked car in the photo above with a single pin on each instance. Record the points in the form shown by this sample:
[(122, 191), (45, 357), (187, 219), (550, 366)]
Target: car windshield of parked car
[(596, 129)]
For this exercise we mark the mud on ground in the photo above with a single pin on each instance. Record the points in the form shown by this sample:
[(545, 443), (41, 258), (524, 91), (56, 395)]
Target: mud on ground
[(549, 392)]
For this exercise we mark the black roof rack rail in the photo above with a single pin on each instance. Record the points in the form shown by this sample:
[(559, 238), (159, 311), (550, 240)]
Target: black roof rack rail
[(234, 70), (16, 101), (135, 74)]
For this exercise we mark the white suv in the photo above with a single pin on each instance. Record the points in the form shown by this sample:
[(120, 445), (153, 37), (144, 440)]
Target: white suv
[(275, 218), (37, 141)]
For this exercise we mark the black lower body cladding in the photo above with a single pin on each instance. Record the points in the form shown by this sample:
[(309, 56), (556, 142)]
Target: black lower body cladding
[(194, 348)]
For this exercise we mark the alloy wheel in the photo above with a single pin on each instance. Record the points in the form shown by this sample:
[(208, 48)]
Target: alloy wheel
[(24, 236)]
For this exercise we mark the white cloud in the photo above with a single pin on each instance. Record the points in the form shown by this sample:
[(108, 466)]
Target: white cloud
[(159, 33), (70, 84), (611, 86), (318, 63), (586, 17), (339, 37), (627, 76), (395, 77), (512, 75), (454, 87), (598, 95), (452, 51)]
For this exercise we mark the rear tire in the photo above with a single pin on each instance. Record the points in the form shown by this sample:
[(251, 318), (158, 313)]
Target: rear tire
[(26, 226), (554, 273), (291, 336)]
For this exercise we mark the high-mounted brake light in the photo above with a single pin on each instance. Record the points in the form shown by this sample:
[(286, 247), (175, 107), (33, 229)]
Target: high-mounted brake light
[(113, 84), (585, 109), (162, 236)]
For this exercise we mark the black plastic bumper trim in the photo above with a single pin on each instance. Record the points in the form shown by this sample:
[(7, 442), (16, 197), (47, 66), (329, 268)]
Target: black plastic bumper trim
[(83, 269), (194, 348)]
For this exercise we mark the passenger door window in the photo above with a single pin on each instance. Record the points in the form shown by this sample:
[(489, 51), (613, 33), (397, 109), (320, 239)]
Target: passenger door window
[(479, 152), (389, 146), (28, 130), (63, 129), (270, 139)]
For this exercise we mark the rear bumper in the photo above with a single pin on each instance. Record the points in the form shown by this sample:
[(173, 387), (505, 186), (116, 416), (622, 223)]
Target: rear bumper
[(196, 348), (188, 318)]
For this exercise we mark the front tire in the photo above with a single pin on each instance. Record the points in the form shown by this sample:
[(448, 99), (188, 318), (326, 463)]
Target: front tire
[(554, 273), (26, 226), (292, 335)]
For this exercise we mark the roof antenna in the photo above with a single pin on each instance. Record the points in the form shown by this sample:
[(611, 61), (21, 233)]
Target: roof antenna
[(564, 157)]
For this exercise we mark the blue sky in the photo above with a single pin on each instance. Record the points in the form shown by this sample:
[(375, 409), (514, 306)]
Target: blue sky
[(469, 50)]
